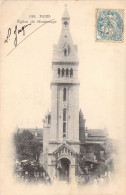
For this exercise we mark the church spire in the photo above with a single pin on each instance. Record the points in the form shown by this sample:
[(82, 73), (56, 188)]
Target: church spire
[(65, 14), (65, 50), (65, 18)]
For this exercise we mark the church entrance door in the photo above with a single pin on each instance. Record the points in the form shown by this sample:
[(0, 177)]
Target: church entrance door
[(64, 169)]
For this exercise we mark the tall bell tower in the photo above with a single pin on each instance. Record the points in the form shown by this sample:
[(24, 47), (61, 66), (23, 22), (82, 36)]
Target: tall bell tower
[(61, 136), (65, 87)]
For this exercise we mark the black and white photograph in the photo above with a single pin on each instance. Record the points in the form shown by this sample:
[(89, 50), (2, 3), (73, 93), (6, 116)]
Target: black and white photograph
[(63, 82)]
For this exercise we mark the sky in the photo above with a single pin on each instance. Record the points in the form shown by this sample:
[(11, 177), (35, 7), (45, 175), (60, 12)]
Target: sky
[(26, 71)]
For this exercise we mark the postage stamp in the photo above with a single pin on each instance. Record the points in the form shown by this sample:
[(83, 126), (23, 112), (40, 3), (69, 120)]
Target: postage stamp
[(109, 25)]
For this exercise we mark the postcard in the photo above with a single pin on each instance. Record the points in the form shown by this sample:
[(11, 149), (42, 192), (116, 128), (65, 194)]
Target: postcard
[(62, 100)]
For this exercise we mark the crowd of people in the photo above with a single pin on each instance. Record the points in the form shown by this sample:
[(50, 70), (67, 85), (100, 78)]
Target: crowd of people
[(91, 175), (90, 179), (29, 171)]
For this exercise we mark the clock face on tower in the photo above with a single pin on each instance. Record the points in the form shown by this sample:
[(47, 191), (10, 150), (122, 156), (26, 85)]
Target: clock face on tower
[(65, 105)]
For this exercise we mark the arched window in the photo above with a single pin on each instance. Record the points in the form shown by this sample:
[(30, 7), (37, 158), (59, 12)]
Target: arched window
[(65, 52), (71, 72), (49, 119), (64, 129), (67, 72), (65, 23), (64, 115), (64, 94), (64, 123), (58, 72), (63, 72), (66, 49)]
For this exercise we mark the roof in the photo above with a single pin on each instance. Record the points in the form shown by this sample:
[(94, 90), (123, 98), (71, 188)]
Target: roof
[(97, 132), (32, 130), (66, 146), (65, 14), (81, 113)]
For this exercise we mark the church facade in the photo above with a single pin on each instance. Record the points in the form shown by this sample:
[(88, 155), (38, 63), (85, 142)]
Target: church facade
[(64, 127)]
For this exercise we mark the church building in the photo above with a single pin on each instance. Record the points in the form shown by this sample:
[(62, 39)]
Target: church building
[(64, 127)]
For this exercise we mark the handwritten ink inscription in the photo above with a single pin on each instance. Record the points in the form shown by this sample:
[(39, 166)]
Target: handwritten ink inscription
[(16, 32), (8, 35), (13, 33)]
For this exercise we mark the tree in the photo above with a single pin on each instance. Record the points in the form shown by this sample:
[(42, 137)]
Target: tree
[(27, 146)]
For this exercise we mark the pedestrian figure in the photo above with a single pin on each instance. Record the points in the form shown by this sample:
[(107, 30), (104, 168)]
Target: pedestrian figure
[(86, 170), (95, 181)]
